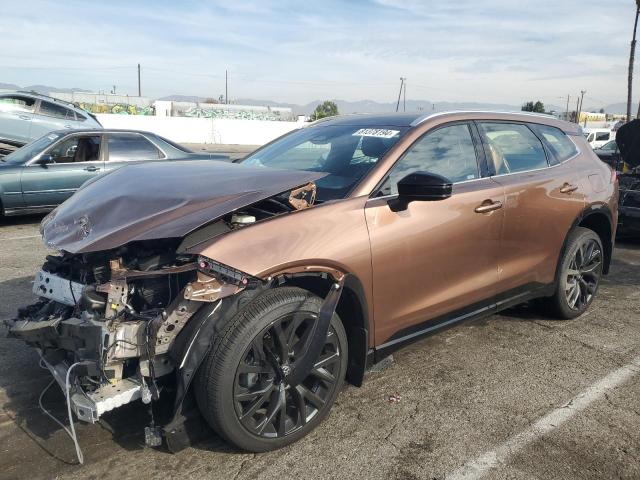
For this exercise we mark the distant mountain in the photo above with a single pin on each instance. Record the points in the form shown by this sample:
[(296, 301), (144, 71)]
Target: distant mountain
[(8, 86), (344, 106), (371, 106), (42, 89), (182, 98), (618, 108)]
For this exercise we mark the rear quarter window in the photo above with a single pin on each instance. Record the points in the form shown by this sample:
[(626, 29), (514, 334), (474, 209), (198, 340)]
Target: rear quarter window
[(561, 146)]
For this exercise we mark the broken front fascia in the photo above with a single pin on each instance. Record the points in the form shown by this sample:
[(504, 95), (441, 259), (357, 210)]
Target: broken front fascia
[(107, 342)]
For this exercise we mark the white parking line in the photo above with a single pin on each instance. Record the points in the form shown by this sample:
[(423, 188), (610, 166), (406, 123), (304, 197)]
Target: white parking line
[(19, 238), (480, 466)]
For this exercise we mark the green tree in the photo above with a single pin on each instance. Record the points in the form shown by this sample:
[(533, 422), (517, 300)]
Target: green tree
[(326, 109), (537, 107)]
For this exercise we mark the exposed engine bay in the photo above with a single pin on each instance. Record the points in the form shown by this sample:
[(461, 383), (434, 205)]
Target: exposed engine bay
[(107, 323)]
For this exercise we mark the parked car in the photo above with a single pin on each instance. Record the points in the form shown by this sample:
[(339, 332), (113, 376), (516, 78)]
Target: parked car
[(596, 137), (609, 154), (26, 116), (628, 141), (44, 173), (258, 287)]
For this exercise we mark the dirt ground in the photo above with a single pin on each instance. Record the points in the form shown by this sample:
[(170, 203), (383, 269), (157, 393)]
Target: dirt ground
[(515, 395)]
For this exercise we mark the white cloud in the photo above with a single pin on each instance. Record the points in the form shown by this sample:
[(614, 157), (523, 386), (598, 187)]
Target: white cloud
[(492, 50)]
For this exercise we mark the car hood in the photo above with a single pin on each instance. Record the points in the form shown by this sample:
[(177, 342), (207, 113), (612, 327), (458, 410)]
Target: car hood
[(628, 140), (160, 200)]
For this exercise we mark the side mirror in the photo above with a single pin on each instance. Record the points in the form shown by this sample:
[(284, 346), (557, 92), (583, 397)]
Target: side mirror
[(45, 159), (421, 187)]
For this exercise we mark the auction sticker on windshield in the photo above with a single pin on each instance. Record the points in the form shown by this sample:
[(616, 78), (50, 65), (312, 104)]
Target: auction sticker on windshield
[(376, 132)]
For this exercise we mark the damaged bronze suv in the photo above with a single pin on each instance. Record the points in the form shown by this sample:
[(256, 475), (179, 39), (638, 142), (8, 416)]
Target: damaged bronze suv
[(249, 292)]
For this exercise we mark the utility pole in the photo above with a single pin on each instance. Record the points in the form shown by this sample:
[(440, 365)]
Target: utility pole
[(566, 115), (400, 93), (404, 97), (577, 120), (139, 89), (631, 59), (579, 111), (226, 88)]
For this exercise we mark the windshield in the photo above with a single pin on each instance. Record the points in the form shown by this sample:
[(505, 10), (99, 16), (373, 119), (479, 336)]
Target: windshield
[(30, 150), (345, 152)]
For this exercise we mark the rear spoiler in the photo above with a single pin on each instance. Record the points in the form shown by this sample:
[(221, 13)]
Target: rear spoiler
[(94, 117)]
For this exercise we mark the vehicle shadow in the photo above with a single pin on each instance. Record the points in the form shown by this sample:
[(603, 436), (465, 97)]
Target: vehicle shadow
[(623, 273), (31, 219)]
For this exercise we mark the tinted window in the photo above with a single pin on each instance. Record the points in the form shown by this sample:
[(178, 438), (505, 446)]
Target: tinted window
[(345, 152), (609, 146), (76, 149), (513, 147), (560, 145), (80, 117), (16, 103), (131, 147), (447, 151), (57, 111), (602, 136)]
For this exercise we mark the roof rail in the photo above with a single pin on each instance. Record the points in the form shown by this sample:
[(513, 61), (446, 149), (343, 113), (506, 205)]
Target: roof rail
[(46, 96), (426, 116)]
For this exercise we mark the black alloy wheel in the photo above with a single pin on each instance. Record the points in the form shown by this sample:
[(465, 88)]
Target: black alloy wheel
[(242, 387)]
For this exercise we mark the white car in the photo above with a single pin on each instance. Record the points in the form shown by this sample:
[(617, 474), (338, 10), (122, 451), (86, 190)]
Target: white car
[(597, 137)]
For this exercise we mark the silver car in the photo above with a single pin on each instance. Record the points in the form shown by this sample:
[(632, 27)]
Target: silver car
[(25, 116)]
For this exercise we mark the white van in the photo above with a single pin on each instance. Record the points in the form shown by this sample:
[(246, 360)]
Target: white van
[(596, 137)]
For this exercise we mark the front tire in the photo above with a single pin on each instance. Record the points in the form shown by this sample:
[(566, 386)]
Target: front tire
[(241, 392), (579, 274)]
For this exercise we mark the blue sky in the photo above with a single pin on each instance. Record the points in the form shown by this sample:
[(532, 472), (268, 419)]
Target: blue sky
[(298, 51)]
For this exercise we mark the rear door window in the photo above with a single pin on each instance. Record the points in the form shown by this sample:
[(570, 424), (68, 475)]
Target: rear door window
[(57, 111), (602, 136), (127, 147), (16, 103), (512, 147), (561, 146)]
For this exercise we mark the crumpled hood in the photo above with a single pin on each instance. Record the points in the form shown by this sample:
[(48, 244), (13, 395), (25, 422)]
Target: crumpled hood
[(160, 200)]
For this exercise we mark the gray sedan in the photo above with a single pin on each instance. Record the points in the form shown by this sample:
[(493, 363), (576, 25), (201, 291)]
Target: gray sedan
[(44, 173)]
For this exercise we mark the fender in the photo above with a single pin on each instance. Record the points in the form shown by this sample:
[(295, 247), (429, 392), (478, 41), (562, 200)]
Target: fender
[(352, 308), (608, 247)]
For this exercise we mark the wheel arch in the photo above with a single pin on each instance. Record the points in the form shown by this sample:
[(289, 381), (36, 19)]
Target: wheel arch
[(599, 219), (352, 309)]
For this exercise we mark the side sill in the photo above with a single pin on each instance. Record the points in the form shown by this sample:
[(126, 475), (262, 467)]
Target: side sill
[(494, 305)]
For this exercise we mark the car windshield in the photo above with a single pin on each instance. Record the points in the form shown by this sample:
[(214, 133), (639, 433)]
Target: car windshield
[(345, 152), (30, 150)]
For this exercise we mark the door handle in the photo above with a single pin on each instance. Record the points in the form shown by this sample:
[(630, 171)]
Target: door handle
[(24, 117), (568, 188), (488, 206), (92, 169), (67, 126)]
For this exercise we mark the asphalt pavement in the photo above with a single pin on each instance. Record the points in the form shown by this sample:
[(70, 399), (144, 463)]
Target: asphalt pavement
[(515, 395)]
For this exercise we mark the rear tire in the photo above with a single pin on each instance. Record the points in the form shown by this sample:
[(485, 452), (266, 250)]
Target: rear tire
[(579, 275), (238, 389)]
